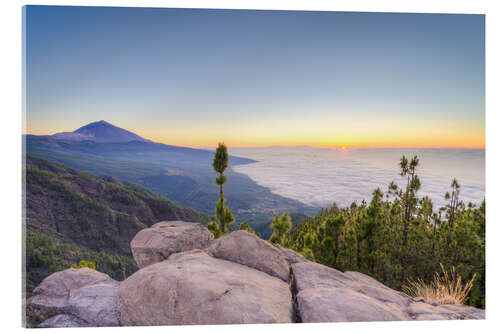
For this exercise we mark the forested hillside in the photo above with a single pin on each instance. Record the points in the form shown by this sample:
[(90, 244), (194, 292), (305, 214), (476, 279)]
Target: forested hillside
[(397, 236), (72, 215)]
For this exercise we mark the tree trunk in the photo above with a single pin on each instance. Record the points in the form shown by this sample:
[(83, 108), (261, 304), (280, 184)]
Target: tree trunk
[(358, 254), (434, 238), (223, 215)]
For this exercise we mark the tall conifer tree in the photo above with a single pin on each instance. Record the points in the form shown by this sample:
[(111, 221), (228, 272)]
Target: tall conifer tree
[(220, 163)]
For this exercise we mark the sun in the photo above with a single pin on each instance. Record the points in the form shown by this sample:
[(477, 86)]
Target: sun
[(343, 148)]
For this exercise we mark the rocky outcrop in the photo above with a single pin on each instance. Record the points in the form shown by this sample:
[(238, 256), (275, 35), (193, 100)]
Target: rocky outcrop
[(85, 296), (248, 249), (155, 244), (189, 279), (342, 297), (194, 288), (325, 294)]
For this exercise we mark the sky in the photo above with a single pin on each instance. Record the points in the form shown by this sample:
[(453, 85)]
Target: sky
[(258, 78)]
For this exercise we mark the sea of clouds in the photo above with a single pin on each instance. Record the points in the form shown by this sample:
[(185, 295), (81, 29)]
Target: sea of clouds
[(322, 176)]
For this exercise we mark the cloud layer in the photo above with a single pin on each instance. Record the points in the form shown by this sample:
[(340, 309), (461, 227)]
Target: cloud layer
[(319, 176)]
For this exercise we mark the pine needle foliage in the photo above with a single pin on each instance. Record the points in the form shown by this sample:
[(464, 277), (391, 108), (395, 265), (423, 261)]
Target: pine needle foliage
[(213, 227)]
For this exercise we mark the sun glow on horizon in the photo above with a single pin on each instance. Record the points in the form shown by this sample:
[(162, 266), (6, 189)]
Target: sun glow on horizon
[(341, 89), (195, 137)]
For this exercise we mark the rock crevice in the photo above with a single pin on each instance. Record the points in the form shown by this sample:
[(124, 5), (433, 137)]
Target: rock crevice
[(296, 318)]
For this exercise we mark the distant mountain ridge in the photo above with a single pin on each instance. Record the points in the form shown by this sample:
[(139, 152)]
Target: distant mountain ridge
[(102, 138), (183, 174), (100, 131)]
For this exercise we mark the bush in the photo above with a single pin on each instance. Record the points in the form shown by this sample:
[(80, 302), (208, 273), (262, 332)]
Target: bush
[(444, 289), (84, 263), (244, 226), (214, 229)]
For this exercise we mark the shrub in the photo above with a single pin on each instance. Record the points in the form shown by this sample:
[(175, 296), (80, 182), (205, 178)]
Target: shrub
[(84, 263), (444, 289), (245, 226), (214, 229), (124, 275)]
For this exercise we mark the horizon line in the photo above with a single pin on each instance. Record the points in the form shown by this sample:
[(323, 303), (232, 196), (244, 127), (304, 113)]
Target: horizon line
[(344, 147), (347, 147)]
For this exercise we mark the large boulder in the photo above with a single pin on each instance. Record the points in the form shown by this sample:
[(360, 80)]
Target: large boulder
[(341, 305), (248, 249), (325, 294), (85, 293), (157, 243), (96, 304), (193, 288)]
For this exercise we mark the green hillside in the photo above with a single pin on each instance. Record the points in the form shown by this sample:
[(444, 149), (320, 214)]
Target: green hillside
[(72, 215)]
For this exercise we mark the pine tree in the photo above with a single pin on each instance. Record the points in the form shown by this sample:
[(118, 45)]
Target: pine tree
[(222, 214), (399, 238), (281, 226), (455, 191)]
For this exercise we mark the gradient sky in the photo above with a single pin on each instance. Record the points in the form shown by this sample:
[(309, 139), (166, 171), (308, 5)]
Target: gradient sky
[(254, 78)]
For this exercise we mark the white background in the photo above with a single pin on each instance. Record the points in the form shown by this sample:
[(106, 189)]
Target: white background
[(10, 157)]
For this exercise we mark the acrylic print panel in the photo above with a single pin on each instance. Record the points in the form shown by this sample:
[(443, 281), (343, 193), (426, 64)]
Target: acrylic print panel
[(194, 166)]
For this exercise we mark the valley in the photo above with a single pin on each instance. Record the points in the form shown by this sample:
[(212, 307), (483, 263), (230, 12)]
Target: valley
[(183, 175)]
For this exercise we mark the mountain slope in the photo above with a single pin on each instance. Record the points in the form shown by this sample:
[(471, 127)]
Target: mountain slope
[(182, 174), (142, 151), (66, 208), (100, 131)]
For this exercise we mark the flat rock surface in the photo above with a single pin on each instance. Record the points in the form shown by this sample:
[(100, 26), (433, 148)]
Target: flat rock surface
[(63, 320), (157, 243), (193, 288), (250, 250)]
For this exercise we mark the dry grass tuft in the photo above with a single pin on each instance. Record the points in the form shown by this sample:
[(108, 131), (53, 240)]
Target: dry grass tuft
[(446, 288)]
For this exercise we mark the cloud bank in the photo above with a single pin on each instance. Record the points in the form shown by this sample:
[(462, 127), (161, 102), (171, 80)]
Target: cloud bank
[(320, 177)]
